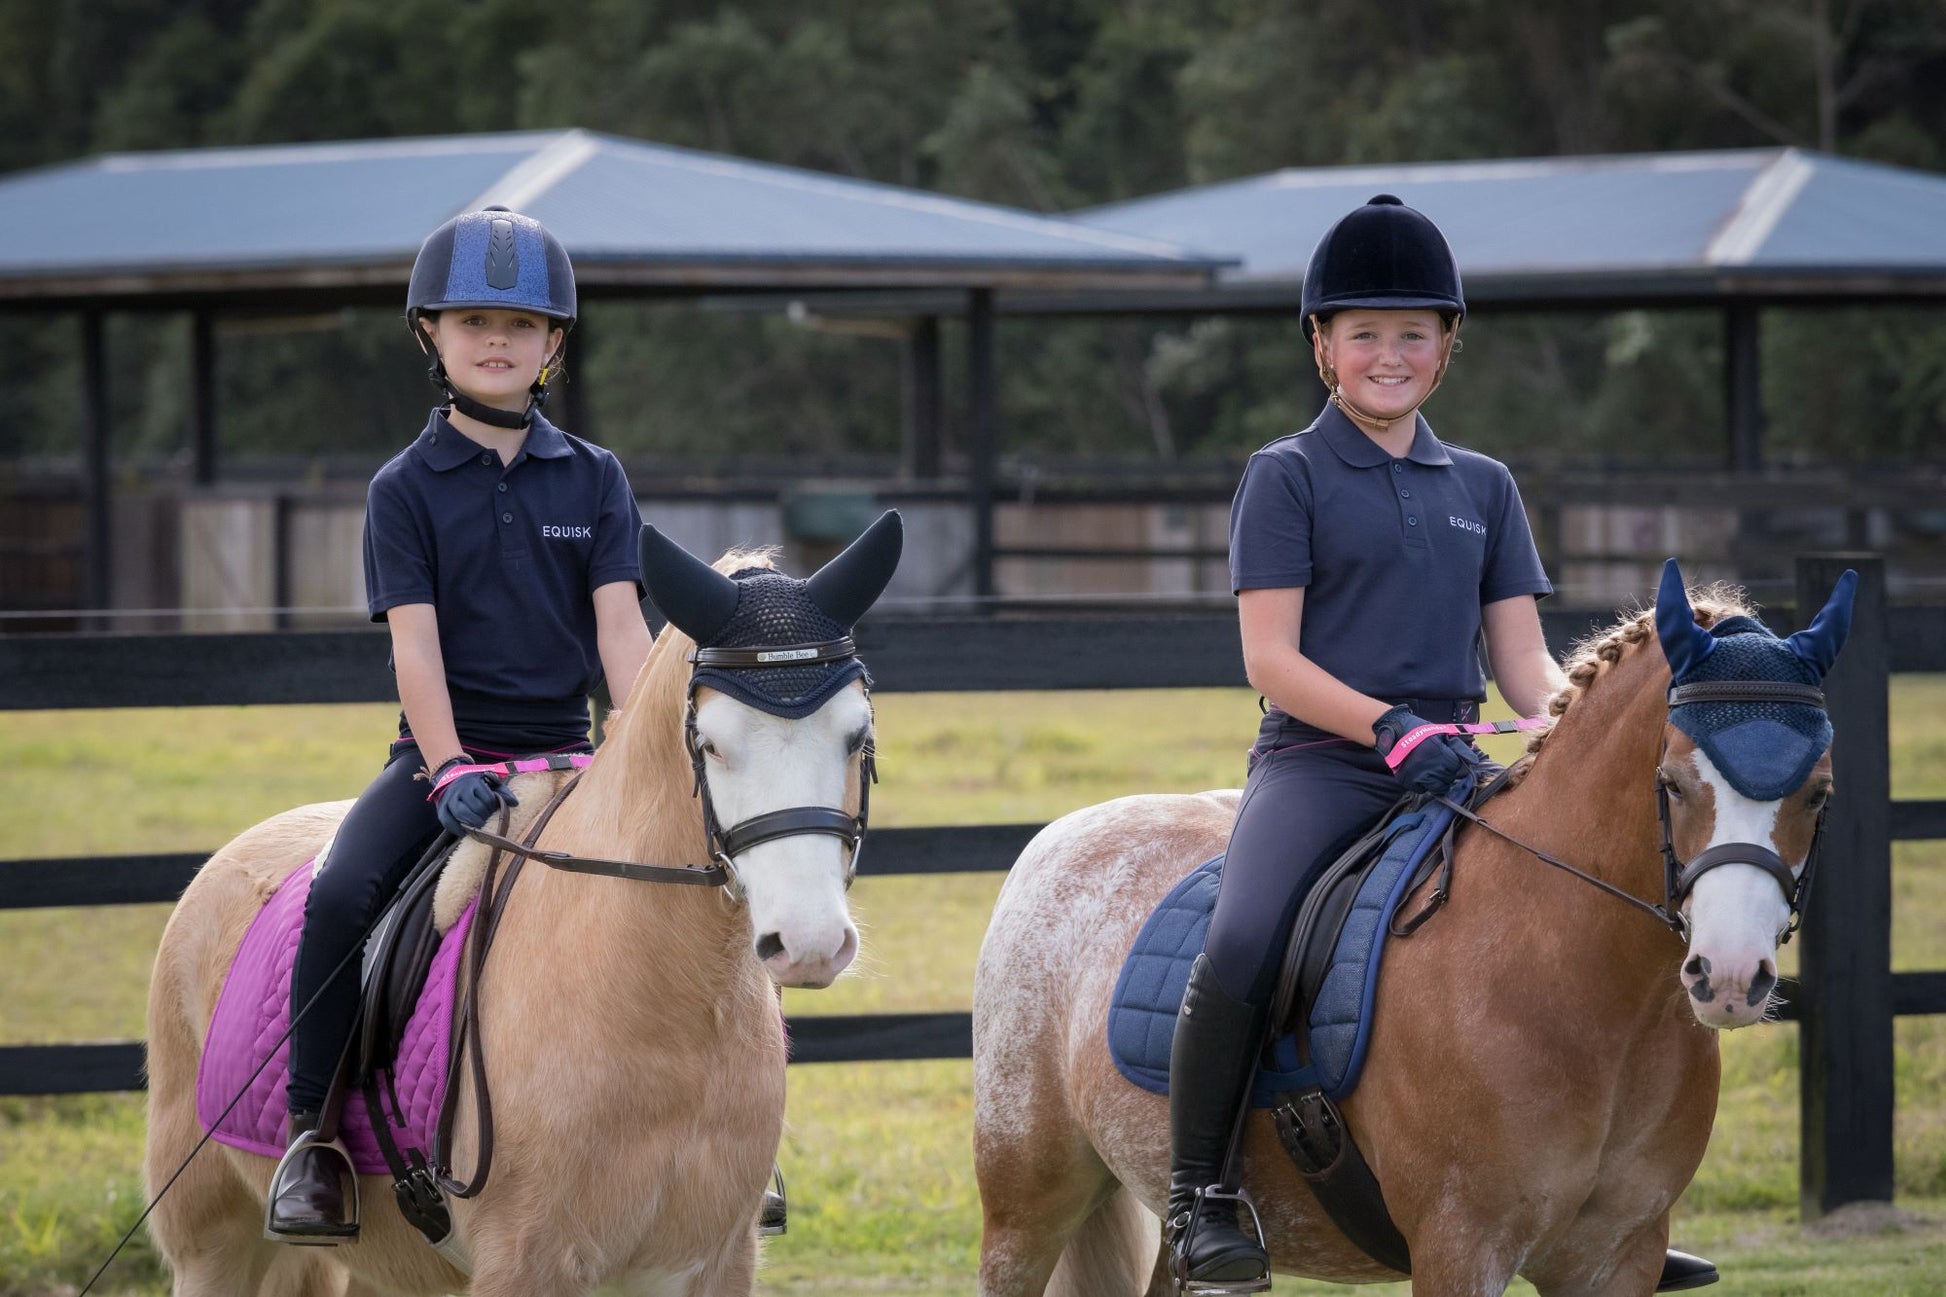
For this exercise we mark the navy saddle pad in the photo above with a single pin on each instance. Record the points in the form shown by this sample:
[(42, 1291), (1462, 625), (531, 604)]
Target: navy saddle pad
[(1142, 1014)]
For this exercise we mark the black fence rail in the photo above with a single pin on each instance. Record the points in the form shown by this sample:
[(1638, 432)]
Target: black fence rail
[(1845, 998)]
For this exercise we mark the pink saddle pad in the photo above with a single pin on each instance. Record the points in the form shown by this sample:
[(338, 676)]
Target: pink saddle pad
[(254, 1011)]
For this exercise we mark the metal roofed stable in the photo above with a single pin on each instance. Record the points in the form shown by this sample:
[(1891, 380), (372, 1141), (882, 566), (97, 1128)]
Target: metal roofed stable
[(342, 221), (1639, 229)]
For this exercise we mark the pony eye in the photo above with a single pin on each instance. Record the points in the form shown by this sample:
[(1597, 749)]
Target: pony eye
[(856, 741), (1669, 784)]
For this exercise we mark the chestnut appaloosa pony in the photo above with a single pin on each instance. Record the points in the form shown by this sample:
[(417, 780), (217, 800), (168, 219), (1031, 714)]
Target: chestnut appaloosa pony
[(1543, 1068), (634, 1050)]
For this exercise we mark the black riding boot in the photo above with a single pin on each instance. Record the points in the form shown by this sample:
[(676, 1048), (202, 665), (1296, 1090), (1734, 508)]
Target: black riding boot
[(1210, 1064), (309, 1192), (1681, 1272)]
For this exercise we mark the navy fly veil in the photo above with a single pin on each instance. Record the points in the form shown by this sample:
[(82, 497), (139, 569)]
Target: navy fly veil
[(771, 641), (1765, 745)]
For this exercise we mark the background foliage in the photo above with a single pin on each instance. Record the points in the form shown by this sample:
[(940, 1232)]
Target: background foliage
[(1048, 104)]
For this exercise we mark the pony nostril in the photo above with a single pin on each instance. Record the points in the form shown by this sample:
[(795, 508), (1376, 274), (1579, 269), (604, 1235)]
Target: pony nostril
[(769, 945), (1762, 984), (1697, 967)]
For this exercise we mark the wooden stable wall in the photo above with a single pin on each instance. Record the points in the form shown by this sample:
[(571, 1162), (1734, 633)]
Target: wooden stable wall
[(1845, 999)]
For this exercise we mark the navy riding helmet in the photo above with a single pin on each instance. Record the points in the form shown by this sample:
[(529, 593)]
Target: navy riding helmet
[(492, 259), (1386, 256)]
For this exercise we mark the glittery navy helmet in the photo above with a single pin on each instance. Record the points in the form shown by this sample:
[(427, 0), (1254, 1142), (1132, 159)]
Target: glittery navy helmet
[(795, 622), (492, 259), (1764, 748)]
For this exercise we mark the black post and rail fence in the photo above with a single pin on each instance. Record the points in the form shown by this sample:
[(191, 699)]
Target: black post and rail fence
[(1844, 999)]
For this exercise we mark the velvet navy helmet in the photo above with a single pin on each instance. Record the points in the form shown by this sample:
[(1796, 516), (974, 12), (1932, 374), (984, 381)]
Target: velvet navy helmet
[(489, 259), (1386, 256)]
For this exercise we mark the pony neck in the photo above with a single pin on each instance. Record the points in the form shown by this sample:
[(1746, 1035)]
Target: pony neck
[(636, 802), (1588, 797)]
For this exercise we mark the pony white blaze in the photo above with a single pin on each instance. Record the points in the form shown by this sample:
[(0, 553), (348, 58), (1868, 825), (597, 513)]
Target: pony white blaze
[(1736, 913), (795, 886)]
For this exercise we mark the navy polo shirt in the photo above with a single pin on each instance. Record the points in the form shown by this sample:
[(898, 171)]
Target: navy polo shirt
[(1396, 556), (509, 556)]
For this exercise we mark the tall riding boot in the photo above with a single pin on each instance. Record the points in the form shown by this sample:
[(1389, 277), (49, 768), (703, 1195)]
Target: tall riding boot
[(1210, 1064), (311, 1190)]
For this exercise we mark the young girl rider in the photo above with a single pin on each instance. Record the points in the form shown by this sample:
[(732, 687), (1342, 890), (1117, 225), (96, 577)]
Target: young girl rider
[(1368, 560), (501, 554)]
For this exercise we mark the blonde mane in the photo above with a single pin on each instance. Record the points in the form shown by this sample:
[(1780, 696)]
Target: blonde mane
[(1591, 658)]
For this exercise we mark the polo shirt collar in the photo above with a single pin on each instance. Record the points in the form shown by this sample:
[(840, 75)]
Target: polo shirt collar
[(1356, 449), (444, 447)]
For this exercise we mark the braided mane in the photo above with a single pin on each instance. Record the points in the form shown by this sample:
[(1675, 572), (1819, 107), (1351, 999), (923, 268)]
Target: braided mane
[(1591, 657)]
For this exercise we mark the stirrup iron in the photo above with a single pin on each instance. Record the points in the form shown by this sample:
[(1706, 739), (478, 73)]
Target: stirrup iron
[(770, 1224), (1179, 1260), (303, 1143)]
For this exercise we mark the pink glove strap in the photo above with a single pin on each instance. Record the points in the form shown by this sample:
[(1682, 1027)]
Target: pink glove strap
[(1412, 738), (524, 766)]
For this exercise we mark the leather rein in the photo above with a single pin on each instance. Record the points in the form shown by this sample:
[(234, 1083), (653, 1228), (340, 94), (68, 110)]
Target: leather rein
[(1679, 877), (720, 844)]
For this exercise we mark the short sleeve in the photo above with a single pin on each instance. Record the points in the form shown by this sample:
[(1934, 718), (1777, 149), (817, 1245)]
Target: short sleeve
[(1513, 565), (1270, 528), (398, 563), (618, 533)]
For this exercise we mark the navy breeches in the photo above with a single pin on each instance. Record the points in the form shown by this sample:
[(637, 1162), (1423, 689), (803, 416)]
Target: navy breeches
[(386, 831), (1303, 805), (383, 835), (1310, 795)]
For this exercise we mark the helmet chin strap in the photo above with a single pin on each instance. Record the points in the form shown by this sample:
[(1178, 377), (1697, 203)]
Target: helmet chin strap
[(468, 406), (1329, 373)]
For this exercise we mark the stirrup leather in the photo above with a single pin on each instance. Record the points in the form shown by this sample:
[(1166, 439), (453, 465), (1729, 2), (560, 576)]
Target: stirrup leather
[(278, 1182), (1183, 1230)]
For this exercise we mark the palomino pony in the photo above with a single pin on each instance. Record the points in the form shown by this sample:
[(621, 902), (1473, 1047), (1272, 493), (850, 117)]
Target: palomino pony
[(1542, 1072), (634, 1051)]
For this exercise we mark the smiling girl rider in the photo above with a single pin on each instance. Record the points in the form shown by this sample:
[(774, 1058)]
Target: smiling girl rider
[(501, 553), (1369, 559)]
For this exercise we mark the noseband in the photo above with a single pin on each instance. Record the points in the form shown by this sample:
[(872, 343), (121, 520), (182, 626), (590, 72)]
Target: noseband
[(1679, 879), (724, 845)]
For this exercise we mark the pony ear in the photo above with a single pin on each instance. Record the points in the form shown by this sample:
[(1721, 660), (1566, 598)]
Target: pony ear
[(1684, 643), (697, 599), (850, 583), (1818, 644)]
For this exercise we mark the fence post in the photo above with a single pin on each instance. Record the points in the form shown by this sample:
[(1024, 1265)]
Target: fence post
[(1845, 961)]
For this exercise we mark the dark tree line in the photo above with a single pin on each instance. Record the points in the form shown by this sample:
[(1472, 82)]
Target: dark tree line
[(1046, 104)]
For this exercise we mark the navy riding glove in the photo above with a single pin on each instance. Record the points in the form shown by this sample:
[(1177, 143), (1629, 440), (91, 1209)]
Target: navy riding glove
[(469, 801), (1436, 763)]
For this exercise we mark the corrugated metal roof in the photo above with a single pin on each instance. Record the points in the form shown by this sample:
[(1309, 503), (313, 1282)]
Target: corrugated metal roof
[(246, 220), (1770, 222)]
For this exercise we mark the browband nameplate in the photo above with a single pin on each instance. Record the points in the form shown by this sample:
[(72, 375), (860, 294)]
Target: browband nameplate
[(775, 655)]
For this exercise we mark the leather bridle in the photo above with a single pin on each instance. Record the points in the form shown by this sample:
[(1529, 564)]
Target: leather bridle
[(1679, 877), (724, 845)]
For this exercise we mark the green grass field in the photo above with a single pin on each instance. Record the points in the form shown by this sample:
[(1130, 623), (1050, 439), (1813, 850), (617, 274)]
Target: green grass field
[(878, 1155)]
